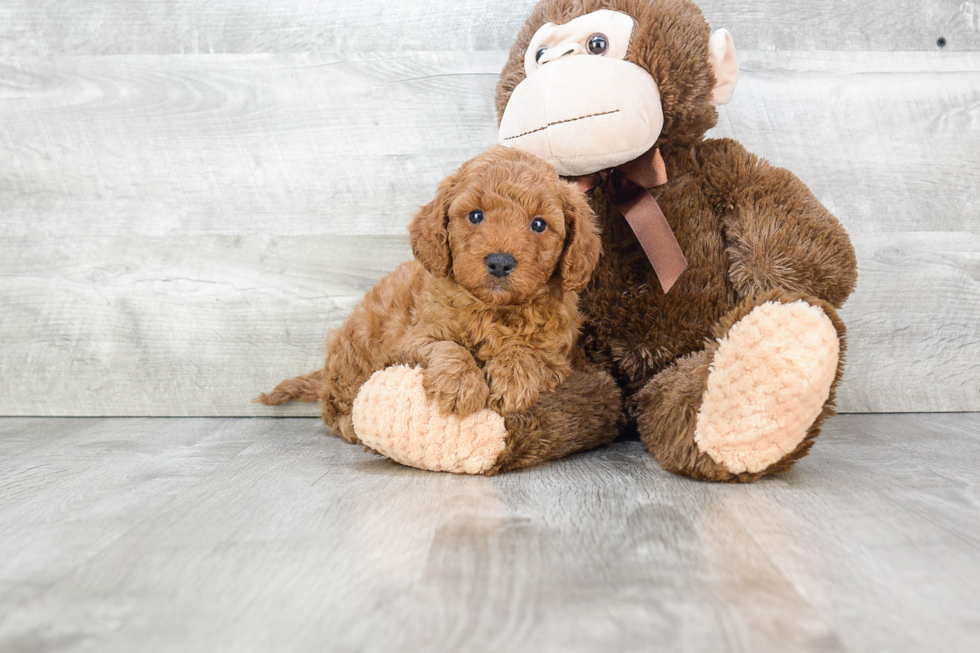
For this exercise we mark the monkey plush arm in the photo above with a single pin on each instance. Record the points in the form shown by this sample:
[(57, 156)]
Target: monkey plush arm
[(778, 233)]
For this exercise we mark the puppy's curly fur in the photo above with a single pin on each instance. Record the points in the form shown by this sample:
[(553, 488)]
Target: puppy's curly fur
[(484, 340)]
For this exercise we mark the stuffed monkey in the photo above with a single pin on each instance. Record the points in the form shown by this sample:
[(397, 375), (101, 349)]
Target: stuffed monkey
[(710, 324)]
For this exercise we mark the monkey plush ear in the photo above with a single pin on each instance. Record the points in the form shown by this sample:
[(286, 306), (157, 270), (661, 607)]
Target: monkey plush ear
[(724, 64), (429, 231), (582, 244)]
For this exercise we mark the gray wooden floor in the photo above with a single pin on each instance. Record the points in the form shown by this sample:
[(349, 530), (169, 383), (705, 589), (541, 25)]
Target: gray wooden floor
[(268, 535)]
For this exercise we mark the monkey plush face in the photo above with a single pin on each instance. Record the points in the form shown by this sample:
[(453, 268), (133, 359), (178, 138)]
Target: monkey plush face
[(593, 84), (582, 106)]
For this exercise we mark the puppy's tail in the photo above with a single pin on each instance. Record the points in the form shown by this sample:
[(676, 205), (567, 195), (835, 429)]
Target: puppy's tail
[(302, 388)]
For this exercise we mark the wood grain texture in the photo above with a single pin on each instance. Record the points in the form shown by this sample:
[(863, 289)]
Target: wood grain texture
[(181, 231), (232, 144), (257, 535), (97, 478), (884, 140), (175, 326), (255, 26)]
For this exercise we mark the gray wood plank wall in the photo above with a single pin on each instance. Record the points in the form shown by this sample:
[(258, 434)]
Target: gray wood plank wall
[(192, 193)]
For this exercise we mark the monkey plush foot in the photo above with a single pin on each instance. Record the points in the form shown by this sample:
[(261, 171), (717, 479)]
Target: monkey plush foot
[(393, 416), (769, 380), (751, 403)]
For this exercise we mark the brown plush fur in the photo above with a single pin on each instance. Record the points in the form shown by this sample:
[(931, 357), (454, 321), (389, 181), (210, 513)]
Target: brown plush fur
[(751, 233), (585, 412), (482, 340)]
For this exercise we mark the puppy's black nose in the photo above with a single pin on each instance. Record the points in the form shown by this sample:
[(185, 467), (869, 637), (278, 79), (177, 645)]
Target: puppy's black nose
[(500, 265)]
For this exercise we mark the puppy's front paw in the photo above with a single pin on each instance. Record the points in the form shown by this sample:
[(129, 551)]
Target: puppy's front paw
[(457, 388), (512, 389)]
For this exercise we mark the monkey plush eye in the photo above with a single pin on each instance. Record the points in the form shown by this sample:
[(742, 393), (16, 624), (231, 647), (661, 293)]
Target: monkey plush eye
[(476, 217), (540, 53), (538, 225), (598, 44)]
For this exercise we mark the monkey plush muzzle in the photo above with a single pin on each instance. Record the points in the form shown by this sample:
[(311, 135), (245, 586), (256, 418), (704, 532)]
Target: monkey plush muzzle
[(583, 114)]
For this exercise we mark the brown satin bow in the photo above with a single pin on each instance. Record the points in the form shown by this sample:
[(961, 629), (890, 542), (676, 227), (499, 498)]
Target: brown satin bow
[(627, 186)]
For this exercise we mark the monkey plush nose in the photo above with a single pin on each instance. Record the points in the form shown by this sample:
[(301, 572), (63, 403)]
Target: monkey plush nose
[(500, 265)]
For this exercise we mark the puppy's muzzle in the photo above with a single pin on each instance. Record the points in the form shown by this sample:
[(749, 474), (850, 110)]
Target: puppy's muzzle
[(500, 265)]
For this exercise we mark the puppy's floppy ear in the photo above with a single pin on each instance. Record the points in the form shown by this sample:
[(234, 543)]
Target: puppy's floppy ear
[(429, 233), (582, 244)]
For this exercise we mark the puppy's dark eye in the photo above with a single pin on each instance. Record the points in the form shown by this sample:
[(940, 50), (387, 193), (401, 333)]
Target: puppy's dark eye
[(538, 225), (476, 217), (598, 44), (539, 54)]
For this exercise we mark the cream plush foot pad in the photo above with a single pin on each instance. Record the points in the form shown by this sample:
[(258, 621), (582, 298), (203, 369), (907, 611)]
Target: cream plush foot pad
[(393, 416), (769, 380)]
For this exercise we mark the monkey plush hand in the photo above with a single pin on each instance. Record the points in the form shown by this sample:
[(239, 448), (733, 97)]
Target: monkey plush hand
[(714, 304)]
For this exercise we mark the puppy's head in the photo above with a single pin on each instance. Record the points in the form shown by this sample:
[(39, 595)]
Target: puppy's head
[(505, 227)]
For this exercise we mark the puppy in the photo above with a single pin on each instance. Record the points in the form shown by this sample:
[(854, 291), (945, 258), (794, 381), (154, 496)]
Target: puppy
[(489, 307)]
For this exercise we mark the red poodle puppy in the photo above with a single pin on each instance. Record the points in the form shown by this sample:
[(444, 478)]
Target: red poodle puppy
[(488, 309)]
